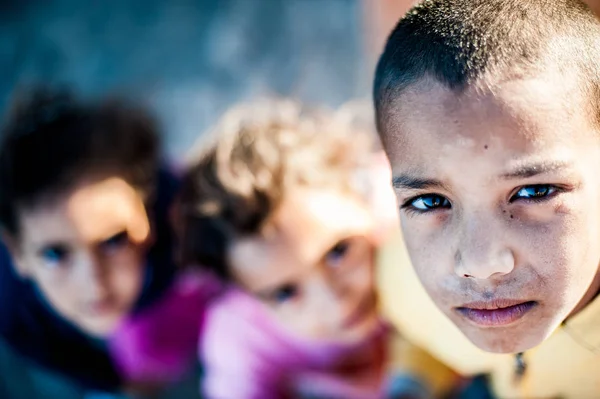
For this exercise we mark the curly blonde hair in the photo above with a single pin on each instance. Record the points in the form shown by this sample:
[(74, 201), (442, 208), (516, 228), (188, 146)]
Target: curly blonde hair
[(257, 154)]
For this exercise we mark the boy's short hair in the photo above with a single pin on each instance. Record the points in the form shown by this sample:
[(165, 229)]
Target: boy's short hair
[(52, 141), (256, 155), (461, 43)]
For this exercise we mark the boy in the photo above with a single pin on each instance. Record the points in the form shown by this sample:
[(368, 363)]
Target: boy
[(488, 111), (83, 205), (279, 208)]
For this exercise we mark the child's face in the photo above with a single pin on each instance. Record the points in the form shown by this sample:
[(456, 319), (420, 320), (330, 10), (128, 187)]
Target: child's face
[(85, 252), (313, 267), (500, 204)]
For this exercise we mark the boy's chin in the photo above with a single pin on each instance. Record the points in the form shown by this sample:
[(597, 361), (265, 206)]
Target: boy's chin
[(514, 339)]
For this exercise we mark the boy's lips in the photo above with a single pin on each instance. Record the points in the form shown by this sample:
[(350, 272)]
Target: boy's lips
[(497, 313)]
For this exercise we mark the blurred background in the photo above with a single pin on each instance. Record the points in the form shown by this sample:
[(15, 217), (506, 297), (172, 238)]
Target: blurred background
[(188, 60)]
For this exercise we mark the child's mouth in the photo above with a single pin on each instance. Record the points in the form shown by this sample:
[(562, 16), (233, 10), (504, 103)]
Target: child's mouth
[(496, 313), (100, 307)]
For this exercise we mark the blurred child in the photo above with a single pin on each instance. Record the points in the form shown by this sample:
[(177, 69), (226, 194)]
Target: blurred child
[(281, 208), (83, 212)]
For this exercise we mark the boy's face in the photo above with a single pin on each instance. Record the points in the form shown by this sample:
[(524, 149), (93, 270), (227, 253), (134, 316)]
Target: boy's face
[(313, 266), (500, 204), (85, 252)]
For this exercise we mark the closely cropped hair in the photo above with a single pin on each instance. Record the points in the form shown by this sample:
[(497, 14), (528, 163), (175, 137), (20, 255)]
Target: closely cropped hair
[(53, 141), (256, 155), (461, 43)]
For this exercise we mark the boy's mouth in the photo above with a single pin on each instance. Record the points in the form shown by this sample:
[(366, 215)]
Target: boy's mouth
[(497, 313)]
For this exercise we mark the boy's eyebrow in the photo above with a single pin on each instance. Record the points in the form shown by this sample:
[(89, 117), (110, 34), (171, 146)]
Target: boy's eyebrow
[(533, 169), (415, 183)]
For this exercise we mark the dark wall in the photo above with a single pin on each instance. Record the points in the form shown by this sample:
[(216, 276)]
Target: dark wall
[(189, 59)]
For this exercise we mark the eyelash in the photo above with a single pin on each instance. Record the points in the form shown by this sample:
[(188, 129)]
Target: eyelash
[(409, 208), (554, 190)]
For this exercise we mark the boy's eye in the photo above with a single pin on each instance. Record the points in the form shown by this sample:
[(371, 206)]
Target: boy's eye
[(285, 293), (534, 192), (115, 242), (428, 202), (55, 254)]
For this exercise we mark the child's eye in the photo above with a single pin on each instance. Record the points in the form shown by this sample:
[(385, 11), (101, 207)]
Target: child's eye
[(54, 255), (535, 192), (428, 202), (115, 242), (338, 252), (285, 293)]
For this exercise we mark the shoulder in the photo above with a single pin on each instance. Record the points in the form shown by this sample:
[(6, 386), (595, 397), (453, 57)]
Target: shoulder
[(159, 342), (241, 352), (236, 320)]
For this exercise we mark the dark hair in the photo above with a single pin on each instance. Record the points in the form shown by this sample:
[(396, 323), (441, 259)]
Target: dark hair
[(259, 152), (52, 141), (466, 42)]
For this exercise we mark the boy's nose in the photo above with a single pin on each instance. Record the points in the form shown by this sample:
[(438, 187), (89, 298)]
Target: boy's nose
[(481, 253)]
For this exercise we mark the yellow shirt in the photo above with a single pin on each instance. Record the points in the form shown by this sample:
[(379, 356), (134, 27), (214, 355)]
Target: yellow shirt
[(566, 365)]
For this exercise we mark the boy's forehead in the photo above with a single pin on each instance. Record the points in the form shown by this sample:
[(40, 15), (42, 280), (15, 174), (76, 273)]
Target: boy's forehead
[(519, 115)]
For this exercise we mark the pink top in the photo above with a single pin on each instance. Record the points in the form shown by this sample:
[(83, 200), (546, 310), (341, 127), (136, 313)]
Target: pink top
[(244, 353), (248, 356), (158, 345)]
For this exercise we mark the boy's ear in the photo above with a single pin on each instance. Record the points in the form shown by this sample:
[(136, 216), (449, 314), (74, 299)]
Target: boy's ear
[(12, 245)]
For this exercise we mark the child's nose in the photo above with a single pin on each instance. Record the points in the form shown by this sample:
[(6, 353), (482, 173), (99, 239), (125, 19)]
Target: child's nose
[(327, 299), (92, 274), (481, 252)]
